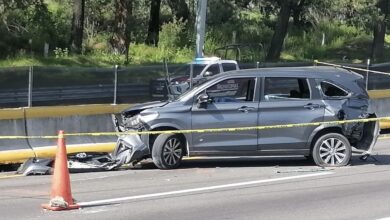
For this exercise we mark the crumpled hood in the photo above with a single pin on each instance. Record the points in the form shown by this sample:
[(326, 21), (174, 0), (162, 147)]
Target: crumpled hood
[(138, 108)]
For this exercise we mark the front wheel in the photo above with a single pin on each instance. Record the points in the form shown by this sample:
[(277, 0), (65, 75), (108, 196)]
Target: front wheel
[(168, 151), (332, 150)]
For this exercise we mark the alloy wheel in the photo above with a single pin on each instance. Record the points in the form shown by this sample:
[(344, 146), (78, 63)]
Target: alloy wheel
[(333, 151), (172, 152)]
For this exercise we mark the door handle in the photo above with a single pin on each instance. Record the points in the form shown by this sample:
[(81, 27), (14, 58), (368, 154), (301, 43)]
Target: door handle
[(312, 106), (246, 109)]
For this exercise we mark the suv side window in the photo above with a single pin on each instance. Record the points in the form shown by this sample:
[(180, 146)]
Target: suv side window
[(232, 90), (331, 90), (228, 67), (213, 69), (286, 88)]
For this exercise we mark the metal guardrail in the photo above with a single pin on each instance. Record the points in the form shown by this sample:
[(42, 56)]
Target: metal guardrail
[(23, 86), (68, 93)]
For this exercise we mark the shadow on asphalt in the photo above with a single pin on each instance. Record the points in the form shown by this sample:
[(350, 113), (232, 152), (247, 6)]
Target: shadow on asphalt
[(213, 163), (374, 159), (246, 162), (265, 162)]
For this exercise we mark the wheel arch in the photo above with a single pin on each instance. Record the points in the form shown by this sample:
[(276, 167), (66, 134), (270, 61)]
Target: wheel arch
[(152, 137), (322, 131)]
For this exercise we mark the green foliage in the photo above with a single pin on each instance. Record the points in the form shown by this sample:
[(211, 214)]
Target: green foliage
[(26, 25), (141, 53), (173, 34), (340, 42), (60, 53)]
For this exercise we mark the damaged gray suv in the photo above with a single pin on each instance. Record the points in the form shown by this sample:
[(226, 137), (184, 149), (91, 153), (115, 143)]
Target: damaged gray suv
[(249, 98)]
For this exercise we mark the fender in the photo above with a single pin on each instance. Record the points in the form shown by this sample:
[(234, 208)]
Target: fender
[(188, 136), (319, 129)]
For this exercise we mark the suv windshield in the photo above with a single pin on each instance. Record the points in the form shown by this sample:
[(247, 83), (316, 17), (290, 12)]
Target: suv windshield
[(184, 95)]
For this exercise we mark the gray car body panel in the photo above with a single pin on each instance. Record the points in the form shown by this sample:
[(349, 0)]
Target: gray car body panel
[(183, 113)]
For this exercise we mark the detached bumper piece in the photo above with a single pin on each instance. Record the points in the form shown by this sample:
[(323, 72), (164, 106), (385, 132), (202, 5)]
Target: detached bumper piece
[(129, 149)]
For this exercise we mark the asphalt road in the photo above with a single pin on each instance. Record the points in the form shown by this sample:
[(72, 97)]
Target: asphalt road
[(255, 188)]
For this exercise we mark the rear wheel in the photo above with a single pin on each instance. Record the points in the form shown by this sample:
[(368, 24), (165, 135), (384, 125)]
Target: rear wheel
[(168, 151), (332, 150)]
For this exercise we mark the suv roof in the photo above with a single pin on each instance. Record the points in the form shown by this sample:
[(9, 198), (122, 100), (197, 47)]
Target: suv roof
[(308, 71)]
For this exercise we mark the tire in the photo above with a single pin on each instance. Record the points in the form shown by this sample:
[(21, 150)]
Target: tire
[(168, 151), (332, 150)]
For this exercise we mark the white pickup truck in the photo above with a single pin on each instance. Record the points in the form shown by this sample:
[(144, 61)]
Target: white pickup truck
[(201, 69)]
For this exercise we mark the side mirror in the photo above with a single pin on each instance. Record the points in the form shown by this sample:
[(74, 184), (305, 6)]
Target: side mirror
[(203, 100), (208, 74)]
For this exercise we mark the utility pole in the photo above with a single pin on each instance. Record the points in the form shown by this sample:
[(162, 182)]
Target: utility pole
[(200, 27)]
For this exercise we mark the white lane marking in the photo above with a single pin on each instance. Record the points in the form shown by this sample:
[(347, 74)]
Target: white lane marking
[(388, 218), (107, 201)]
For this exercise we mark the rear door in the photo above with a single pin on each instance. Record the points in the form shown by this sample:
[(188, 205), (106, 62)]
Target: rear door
[(288, 100), (234, 105)]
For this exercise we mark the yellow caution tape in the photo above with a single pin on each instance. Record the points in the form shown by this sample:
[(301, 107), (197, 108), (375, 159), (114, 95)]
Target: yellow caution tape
[(207, 130)]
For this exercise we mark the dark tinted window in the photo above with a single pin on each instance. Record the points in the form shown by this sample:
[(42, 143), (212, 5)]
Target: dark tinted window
[(331, 90), (286, 88), (228, 67), (214, 69), (233, 90)]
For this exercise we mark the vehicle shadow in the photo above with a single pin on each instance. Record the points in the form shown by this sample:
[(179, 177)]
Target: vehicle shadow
[(246, 162), (235, 162), (265, 162), (374, 159)]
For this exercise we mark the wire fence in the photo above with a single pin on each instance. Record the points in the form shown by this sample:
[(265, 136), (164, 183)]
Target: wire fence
[(42, 86)]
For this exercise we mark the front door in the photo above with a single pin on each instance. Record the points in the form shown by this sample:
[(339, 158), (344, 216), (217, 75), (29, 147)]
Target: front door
[(232, 105), (288, 100)]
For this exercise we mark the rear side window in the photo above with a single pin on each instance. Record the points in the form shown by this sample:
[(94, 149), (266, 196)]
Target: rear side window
[(233, 90), (228, 67), (286, 88), (331, 90)]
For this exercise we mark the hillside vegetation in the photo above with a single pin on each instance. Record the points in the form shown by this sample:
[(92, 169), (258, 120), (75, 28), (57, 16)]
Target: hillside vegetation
[(130, 32)]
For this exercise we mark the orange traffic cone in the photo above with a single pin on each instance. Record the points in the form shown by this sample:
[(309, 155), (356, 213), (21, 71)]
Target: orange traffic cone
[(61, 195)]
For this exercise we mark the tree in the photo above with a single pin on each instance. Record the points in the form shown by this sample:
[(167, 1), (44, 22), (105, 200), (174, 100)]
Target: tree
[(120, 41), (179, 9), (297, 13), (154, 23), (76, 37), (280, 30), (7, 6), (380, 23)]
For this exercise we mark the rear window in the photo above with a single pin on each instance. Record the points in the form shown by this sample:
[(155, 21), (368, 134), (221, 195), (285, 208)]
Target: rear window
[(228, 67), (331, 90), (286, 88)]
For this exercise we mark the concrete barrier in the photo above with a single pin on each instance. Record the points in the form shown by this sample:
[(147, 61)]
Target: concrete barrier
[(46, 121), (380, 104), (72, 119), (13, 150)]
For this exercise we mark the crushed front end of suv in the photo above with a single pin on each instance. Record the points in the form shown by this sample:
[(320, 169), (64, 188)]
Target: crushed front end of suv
[(253, 98)]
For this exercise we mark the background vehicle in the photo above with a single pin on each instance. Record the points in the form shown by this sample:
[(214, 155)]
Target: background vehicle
[(259, 97), (243, 53), (179, 81)]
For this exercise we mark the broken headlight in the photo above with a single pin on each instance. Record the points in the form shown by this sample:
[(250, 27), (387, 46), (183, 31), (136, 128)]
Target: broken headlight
[(132, 121)]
